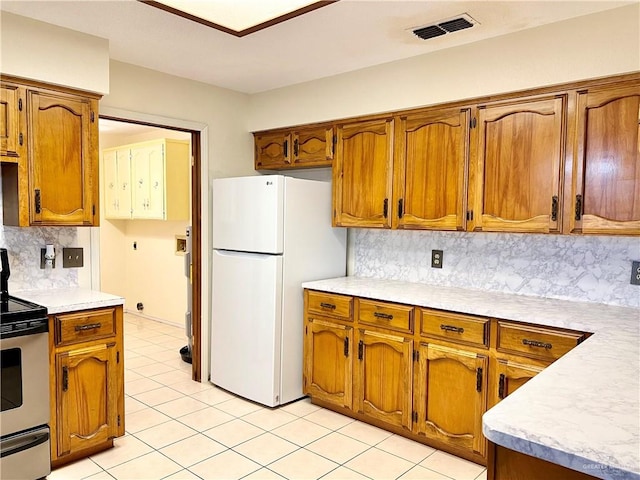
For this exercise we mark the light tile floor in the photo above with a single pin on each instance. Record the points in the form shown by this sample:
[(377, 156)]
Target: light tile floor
[(180, 429)]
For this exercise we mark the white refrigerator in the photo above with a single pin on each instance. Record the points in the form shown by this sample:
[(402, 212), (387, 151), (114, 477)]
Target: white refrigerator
[(270, 234)]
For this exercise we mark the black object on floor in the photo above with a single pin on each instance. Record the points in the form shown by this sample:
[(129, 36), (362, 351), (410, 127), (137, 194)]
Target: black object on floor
[(185, 353)]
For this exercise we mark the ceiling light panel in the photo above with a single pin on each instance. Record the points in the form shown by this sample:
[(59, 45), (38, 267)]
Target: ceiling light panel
[(234, 14)]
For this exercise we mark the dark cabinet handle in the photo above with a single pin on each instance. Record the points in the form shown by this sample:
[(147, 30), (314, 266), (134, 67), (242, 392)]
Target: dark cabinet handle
[(384, 316), (330, 306), (346, 346), (37, 200), (295, 147), (451, 328), (578, 207), (554, 208), (400, 208), (501, 386), (360, 349), (535, 343), (385, 208), (88, 326), (65, 379), (479, 379), (286, 148)]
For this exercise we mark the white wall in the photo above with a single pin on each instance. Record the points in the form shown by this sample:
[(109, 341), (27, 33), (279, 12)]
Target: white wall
[(41, 51), (591, 46)]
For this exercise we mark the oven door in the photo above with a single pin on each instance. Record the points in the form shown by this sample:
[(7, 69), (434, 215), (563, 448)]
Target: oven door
[(24, 390)]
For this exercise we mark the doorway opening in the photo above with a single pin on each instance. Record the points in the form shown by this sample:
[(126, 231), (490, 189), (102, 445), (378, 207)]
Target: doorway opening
[(143, 259)]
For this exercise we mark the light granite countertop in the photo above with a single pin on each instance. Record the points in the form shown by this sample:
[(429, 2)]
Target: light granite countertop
[(71, 299), (583, 411)]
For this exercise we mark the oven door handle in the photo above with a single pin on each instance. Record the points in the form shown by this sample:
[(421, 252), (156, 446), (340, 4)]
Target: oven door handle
[(16, 445)]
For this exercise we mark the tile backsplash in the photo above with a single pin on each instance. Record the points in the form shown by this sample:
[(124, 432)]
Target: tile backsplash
[(583, 268), (24, 244)]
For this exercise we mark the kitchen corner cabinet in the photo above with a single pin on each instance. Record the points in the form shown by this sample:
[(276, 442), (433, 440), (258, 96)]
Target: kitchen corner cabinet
[(362, 174), (605, 187), (56, 181), (516, 171), (87, 382), (148, 180), (432, 150), (297, 148)]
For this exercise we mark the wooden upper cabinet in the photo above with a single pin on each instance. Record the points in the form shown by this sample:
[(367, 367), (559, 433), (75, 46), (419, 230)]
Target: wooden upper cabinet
[(63, 141), (432, 151), (12, 122), (605, 187), (516, 172), (273, 150), (313, 147), (362, 174), (294, 148)]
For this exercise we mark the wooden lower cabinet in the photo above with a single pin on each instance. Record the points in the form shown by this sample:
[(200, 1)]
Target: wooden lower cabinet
[(506, 464), (508, 376), (86, 382), (383, 377), (328, 362), (451, 395), (87, 397), (425, 374)]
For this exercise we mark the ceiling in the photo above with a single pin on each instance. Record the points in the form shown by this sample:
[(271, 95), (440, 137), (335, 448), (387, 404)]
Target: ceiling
[(341, 37)]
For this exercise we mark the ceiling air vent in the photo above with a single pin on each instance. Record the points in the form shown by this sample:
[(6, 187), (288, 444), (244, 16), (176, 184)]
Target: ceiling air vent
[(447, 26)]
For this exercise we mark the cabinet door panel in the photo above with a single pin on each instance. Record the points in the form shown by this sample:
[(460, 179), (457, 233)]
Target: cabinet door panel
[(431, 161), (328, 362), (385, 373), (451, 395), (61, 146), (110, 183), (510, 376), (607, 162), (124, 183), (273, 150), (12, 134), (87, 393), (362, 174), (313, 147), (517, 167), (156, 205)]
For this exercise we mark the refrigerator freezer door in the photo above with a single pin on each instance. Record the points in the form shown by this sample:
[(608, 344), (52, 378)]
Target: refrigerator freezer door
[(246, 325), (247, 214)]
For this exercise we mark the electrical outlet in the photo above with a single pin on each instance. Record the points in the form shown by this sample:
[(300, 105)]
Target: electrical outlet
[(72, 258), (436, 258), (43, 260), (635, 273)]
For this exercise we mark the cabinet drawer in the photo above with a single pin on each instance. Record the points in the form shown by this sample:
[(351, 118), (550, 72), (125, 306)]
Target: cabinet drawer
[(386, 315), (84, 326), (330, 304), (453, 327), (535, 342)]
